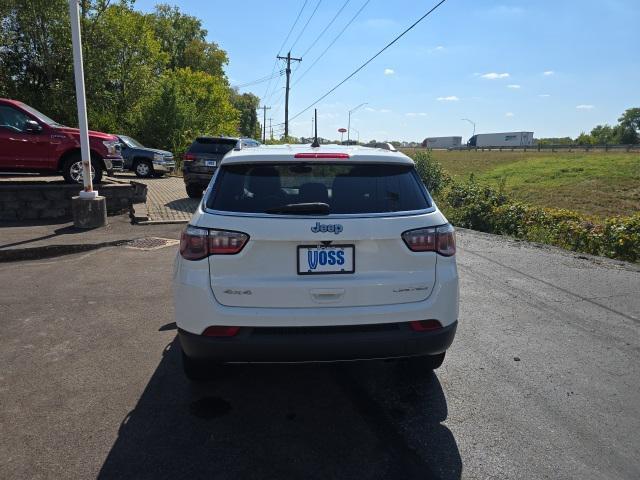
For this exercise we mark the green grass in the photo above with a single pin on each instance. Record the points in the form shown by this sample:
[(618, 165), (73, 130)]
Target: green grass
[(596, 184)]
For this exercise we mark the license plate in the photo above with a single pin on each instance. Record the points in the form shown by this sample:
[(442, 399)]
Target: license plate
[(210, 163), (319, 259)]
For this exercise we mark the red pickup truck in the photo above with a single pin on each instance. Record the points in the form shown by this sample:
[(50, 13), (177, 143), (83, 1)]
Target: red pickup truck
[(32, 142)]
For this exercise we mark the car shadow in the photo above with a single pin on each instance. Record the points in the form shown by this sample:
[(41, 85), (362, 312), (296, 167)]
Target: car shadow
[(360, 420), (187, 205)]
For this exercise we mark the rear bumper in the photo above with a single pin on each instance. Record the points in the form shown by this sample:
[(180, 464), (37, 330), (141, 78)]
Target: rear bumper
[(317, 344), (196, 178)]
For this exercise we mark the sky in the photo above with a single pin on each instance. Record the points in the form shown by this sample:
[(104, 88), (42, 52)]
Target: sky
[(556, 68)]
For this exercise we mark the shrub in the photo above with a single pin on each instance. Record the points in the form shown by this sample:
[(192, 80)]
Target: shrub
[(473, 205), (431, 172), (487, 209)]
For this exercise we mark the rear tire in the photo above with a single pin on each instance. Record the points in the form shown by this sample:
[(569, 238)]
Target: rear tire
[(72, 169), (199, 370), (194, 190)]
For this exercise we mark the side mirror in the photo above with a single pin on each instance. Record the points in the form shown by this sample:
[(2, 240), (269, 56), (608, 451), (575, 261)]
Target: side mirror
[(31, 126)]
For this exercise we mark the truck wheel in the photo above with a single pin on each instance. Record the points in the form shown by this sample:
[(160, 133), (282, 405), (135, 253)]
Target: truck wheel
[(143, 169), (194, 190), (72, 169)]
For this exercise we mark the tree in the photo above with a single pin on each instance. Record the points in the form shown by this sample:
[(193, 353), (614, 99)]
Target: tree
[(184, 40), (117, 87), (603, 134), (187, 104), (35, 55), (629, 126), (584, 139), (247, 105)]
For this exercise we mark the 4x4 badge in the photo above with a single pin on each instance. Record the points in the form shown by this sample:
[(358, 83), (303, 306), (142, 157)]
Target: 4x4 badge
[(323, 228)]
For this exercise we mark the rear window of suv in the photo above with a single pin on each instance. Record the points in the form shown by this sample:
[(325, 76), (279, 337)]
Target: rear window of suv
[(345, 188), (212, 145)]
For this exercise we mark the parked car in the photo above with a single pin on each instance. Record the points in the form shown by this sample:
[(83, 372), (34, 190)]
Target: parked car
[(32, 142), (203, 157), (315, 254), (145, 162)]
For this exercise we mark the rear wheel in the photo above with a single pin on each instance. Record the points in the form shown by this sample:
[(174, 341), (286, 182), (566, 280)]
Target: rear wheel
[(72, 170), (194, 190), (143, 169), (198, 370)]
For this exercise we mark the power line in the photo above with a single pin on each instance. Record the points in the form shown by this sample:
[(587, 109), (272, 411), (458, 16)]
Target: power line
[(326, 28), (332, 42), (259, 80), (305, 26), (370, 59), (283, 44)]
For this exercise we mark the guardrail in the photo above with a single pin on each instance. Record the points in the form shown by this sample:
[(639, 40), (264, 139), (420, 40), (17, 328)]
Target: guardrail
[(539, 148)]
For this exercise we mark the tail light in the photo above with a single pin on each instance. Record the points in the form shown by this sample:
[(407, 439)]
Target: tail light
[(220, 331), (425, 325), (198, 243), (433, 239), (321, 155), (189, 157)]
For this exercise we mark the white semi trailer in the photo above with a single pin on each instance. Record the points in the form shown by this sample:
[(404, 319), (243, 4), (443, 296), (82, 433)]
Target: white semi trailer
[(442, 142), (505, 139)]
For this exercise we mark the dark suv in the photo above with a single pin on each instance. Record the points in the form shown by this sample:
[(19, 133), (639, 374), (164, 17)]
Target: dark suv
[(203, 157)]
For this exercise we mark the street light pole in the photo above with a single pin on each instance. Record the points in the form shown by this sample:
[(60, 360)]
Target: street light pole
[(472, 123), (349, 121), (81, 101)]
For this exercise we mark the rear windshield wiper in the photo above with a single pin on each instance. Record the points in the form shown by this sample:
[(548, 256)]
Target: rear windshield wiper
[(302, 208)]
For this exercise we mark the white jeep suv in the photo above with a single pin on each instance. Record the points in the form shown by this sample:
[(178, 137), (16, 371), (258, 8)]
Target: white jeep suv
[(302, 254)]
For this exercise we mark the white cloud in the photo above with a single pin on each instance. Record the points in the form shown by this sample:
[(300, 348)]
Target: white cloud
[(373, 110), (494, 75), (451, 98), (416, 114), (585, 107), (513, 86), (548, 73), (544, 95), (439, 48), (509, 114), (389, 71)]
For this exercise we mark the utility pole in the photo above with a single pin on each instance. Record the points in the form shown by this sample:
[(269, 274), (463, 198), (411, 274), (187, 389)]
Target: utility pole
[(270, 128), (312, 127), (264, 122), (288, 58)]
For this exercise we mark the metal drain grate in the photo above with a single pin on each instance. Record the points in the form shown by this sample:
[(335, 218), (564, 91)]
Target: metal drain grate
[(151, 243)]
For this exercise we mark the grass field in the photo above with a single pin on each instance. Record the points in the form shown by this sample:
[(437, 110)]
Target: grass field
[(598, 184)]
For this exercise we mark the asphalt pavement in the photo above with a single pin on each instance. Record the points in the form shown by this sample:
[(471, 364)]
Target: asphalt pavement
[(541, 381)]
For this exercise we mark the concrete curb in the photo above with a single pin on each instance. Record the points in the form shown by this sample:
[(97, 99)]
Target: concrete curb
[(50, 251), (162, 222)]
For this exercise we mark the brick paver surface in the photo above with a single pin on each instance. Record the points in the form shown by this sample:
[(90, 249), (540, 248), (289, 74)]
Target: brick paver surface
[(166, 197)]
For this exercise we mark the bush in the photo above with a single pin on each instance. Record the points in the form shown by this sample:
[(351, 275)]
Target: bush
[(472, 205), (483, 208), (431, 172)]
